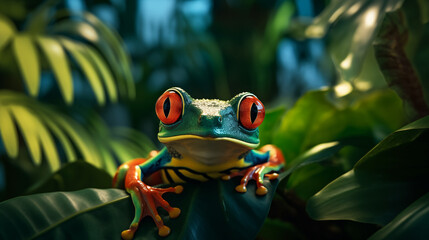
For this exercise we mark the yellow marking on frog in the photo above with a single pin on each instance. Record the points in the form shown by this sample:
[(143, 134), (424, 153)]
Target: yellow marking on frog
[(203, 168), (180, 137), (194, 176)]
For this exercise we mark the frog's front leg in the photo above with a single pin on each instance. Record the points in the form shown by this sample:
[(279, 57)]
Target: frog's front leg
[(257, 172), (146, 199)]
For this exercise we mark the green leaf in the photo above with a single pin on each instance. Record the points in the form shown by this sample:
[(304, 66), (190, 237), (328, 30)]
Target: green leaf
[(65, 179), (62, 138), (406, 143), (317, 118), (352, 27), (37, 122), (308, 180), (29, 127), (8, 132), (7, 30), (104, 39), (409, 224), (296, 124), (56, 56), (270, 125), (319, 153), (384, 182), (78, 51), (80, 138), (363, 198), (79, 215), (27, 58), (35, 134), (104, 72), (103, 214), (114, 42)]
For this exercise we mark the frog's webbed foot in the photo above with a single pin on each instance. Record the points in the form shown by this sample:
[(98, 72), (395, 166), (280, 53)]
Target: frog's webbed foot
[(260, 171), (146, 200), (257, 173)]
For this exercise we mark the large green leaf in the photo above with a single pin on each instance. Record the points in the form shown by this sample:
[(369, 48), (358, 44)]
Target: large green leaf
[(315, 168), (409, 224), (72, 177), (307, 181), (76, 215), (270, 125), (363, 198), (210, 210), (317, 118), (384, 182), (351, 27), (318, 153), (296, 125)]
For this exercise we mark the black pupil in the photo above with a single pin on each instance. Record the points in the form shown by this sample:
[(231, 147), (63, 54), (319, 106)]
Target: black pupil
[(167, 107), (253, 112)]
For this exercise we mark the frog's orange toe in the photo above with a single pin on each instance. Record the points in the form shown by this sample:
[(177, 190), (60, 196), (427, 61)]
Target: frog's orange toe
[(127, 234), (272, 176), (174, 212), (164, 231), (178, 189), (226, 177), (261, 191), (241, 188)]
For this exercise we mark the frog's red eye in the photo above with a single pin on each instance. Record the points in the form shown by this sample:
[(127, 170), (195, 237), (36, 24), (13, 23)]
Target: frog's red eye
[(169, 107), (251, 112)]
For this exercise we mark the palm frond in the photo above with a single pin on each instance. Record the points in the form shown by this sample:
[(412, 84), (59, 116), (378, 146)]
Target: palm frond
[(46, 131), (95, 49), (39, 127), (28, 61), (7, 29), (121, 143), (57, 58)]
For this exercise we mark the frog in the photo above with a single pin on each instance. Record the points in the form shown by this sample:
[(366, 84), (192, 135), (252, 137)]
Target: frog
[(204, 139)]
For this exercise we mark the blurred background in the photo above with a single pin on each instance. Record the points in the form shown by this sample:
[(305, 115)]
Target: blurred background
[(79, 79)]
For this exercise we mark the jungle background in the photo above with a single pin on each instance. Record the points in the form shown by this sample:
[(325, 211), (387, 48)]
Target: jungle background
[(345, 85)]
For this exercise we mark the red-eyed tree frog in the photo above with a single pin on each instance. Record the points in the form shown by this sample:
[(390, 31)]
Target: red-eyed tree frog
[(204, 139)]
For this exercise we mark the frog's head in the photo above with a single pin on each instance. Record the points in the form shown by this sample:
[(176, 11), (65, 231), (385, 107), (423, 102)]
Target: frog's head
[(210, 131)]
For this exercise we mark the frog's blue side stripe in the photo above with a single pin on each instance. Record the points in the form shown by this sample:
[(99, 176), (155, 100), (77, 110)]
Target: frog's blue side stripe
[(255, 157), (154, 164)]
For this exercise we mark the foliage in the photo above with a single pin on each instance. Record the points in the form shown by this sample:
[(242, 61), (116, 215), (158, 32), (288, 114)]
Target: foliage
[(397, 167), (352, 27), (59, 44), (109, 211), (54, 36), (232, 210), (41, 127), (342, 164)]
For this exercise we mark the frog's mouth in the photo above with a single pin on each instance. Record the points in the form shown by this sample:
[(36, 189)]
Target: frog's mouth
[(208, 150)]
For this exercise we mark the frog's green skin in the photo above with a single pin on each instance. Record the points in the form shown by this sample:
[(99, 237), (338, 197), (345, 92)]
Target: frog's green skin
[(207, 142)]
